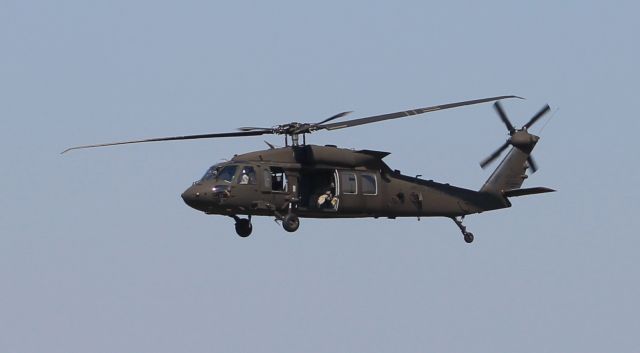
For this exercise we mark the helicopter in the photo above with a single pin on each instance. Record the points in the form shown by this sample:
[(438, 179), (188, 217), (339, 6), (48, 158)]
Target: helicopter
[(302, 180)]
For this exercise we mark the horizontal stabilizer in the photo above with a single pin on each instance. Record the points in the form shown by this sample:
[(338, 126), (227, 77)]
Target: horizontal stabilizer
[(527, 191), (376, 154)]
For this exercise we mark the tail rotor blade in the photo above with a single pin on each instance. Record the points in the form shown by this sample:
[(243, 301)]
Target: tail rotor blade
[(494, 155), (536, 117), (503, 117), (532, 164)]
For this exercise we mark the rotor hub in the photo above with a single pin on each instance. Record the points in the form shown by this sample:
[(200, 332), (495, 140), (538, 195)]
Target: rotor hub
[(523, 139)]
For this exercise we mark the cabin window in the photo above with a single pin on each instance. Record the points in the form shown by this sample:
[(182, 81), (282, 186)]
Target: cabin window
[(348, 183), (369, 184), (275, 179), (247, 176), (228, 173)]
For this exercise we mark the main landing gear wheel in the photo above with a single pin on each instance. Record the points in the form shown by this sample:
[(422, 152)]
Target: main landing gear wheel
[(291, 223), (244, 227), (468, 237)]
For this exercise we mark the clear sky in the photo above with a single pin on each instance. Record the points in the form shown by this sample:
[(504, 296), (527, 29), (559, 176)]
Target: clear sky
[(98, 253)]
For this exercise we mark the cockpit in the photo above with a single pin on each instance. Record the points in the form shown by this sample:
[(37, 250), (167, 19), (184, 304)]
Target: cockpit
[(236, 185), (226, 174), (220, 173)]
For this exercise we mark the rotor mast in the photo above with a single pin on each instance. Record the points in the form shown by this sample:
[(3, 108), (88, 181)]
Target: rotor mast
[(295, 140), (294, 130)]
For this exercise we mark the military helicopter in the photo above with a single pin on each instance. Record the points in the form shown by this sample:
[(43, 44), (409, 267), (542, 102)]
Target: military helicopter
[(311, 181)]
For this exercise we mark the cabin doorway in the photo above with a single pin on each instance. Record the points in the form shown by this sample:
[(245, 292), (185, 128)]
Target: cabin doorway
[(318, 190)]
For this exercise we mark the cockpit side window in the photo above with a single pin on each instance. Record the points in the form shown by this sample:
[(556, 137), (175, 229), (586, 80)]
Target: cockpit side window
[(227, 173), (247, 176)]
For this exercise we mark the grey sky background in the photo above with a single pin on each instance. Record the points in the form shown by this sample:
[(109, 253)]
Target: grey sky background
[(98, 253)]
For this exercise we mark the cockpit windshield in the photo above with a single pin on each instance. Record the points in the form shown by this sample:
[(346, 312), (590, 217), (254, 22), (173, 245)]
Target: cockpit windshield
[(226, 173), (211, 173)]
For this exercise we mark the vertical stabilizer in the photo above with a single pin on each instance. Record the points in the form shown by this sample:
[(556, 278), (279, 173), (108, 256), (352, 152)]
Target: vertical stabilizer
[(510, 174)]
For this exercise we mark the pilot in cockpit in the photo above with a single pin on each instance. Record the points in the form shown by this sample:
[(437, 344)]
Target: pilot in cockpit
[(244, 177)]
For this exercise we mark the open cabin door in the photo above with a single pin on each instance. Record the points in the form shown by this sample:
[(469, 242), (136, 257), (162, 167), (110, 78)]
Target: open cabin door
[(318, 188)]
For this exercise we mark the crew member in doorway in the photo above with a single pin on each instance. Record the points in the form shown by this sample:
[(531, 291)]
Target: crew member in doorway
[(327, 200)]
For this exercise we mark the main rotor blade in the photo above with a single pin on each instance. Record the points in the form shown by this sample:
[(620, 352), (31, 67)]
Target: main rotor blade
[(532, 164), (174, 138), (378, 118), (252, 128), (494, 155), (535, 118), (504, 118), (339, 115)]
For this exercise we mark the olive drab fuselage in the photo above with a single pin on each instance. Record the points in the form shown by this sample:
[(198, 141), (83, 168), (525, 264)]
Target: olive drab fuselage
[(327, 182)]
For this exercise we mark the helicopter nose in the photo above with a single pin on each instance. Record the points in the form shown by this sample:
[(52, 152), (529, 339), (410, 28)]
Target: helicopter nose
[(191, 197)]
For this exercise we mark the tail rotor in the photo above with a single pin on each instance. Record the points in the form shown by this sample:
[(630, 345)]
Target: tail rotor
[(519, 138)]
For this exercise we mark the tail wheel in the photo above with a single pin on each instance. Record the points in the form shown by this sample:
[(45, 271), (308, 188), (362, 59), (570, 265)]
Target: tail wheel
[(291, 223)]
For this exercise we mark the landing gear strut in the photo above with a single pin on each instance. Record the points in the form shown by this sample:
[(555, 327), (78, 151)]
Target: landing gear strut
[(243, 226), (468, 236)]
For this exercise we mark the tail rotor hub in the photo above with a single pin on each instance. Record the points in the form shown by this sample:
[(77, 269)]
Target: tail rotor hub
[(523, 140)]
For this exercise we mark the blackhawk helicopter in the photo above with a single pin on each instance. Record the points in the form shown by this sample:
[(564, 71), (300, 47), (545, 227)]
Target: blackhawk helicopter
[(301, 180)]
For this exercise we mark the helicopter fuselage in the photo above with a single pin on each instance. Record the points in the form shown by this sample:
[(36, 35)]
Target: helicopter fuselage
[(327, 182)]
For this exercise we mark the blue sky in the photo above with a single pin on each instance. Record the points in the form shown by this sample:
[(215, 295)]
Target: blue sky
[(99, 253)]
